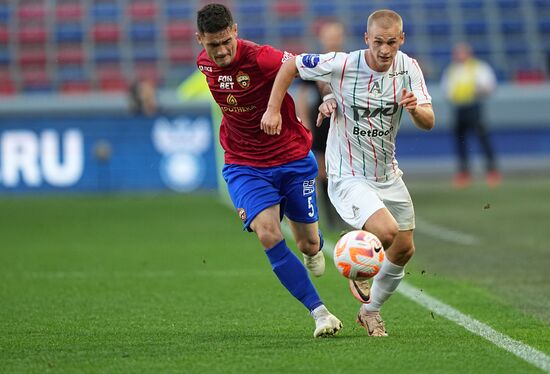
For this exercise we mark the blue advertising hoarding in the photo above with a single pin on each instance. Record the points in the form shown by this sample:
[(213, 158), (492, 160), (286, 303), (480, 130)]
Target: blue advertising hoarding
[(107, 153)]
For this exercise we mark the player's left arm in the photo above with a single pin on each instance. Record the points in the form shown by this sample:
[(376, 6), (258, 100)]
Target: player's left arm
[(272, 121), (422, 115)]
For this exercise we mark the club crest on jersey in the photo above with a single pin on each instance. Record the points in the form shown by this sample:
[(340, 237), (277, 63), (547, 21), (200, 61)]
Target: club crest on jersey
[(310, 61), (375, 89), (242, 214), (243, 80), (231, 100)]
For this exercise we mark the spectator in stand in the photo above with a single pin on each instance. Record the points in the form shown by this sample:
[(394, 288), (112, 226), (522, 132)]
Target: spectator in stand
[(467, 83)]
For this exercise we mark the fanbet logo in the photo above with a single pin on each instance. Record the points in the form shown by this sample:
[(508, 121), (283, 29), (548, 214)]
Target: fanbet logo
[(31, 159)]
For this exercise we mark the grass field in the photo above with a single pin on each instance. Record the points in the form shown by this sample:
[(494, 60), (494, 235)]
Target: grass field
[(170, 283)]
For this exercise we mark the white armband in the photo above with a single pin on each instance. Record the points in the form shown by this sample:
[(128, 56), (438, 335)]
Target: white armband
[(328, 97)]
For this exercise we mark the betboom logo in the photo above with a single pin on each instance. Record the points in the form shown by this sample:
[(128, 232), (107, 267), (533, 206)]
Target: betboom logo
[(31, 159)]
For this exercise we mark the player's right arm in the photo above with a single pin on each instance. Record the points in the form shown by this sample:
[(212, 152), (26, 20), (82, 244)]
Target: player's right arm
[(310, 67)]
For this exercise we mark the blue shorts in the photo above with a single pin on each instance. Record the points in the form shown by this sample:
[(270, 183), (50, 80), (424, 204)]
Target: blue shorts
[(292, 185)]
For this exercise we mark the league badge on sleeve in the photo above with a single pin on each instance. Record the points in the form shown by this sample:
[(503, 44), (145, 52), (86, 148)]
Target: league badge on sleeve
[(310, 61)]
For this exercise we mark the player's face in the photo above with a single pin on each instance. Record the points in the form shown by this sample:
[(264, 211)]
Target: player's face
[(221, 47), (383, 42)]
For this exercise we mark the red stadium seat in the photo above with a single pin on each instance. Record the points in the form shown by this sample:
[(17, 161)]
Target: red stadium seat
[(178, 54), (35, 79), (179, 30), (4, 35), (289, 8), (149, 72), (7, 87), (110, 78), (142, 10), (29, 12), (34, 57), (70, 55), (68, 12), (32, 34), (106, 32)]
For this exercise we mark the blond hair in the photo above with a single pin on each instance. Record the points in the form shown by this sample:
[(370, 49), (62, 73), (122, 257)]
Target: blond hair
[(385, 18)]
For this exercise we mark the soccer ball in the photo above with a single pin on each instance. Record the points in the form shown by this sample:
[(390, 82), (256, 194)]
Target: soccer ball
[(358, 255)]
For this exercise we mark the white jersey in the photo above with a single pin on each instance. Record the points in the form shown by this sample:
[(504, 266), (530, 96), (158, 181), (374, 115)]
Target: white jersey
[(361, 140)]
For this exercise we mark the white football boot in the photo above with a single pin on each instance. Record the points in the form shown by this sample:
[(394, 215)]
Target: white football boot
[(326, 324), (315, 264)]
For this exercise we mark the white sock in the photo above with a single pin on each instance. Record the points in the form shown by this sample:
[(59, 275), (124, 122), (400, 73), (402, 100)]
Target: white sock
[(320, 311), (384, 285)]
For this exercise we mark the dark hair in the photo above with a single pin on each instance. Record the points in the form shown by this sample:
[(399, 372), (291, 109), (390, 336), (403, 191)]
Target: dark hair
[(213, 18)]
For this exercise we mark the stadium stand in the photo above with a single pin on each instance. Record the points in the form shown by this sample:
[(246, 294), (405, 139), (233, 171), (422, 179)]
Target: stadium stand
[(53, 35)]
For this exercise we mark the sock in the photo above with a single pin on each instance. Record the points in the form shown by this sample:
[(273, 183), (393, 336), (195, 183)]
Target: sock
[(384, 285), (293, 275)]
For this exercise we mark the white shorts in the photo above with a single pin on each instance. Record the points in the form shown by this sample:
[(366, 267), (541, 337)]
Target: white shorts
[(356, 199)]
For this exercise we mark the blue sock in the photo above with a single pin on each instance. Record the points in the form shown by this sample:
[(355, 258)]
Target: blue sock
[(321, 239), (293, 275)]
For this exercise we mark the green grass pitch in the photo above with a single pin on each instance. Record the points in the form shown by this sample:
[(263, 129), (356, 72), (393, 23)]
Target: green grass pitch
[(171, 283)]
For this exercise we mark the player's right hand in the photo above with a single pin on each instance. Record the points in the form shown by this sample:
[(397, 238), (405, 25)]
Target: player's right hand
[(325, 110), (271, 122)]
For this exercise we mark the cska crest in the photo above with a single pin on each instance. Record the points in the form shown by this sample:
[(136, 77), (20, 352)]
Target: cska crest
[(243, 80)]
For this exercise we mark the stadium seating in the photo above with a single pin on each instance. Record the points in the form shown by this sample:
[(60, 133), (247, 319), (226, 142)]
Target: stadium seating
[(111, 42)]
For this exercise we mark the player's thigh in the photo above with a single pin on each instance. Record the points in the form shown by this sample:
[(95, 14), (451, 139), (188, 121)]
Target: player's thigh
[(382, 224), (354, 199), (298, 187), (251, 191), (267, 226), (397, 199)]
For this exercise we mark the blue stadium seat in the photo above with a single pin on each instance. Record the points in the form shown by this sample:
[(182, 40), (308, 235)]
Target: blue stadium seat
[(472, 4), (69, 32), (106, 53), (544, 26), (324, 8), (253, 31), (177, 9), (145, 53), (252, 8), (506, 5), (5, 57), (289, 29), (437, 27), (475, 27), (143, 31), (4, 13), (72, 73), (512, 27), (103, 12)]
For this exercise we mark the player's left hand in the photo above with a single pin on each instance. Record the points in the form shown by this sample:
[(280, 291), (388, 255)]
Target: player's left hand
[(271, 122), (408, 100)]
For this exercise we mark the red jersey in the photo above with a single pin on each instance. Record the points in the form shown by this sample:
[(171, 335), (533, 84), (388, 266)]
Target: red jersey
[(242, 91)]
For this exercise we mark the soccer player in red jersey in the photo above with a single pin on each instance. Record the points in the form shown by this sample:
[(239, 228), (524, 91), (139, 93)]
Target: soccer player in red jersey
[(269, 174)]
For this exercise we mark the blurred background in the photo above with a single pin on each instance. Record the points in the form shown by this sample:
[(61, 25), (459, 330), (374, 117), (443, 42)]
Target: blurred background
[(100, 95)]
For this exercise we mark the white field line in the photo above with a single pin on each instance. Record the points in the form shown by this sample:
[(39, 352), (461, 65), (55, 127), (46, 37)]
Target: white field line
[(521, 350), (444, 233)]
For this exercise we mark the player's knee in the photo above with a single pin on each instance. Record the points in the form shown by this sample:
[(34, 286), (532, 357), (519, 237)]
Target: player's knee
[(387, 236), (269, 235), (401, 256)]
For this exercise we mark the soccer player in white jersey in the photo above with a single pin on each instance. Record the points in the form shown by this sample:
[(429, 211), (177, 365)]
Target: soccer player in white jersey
[(370, 90)]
